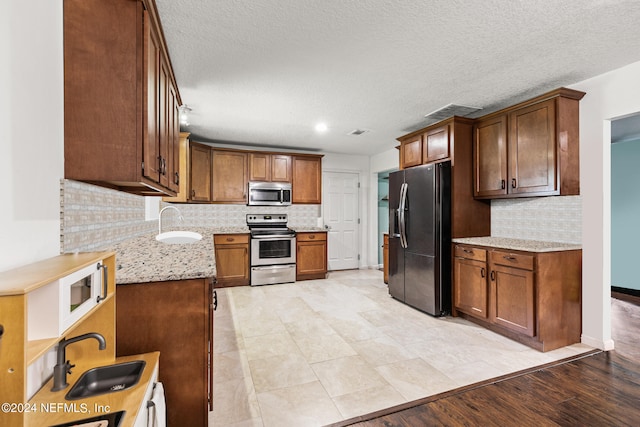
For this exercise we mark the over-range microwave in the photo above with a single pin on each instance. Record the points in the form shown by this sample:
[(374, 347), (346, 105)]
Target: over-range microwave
[(269, 193)]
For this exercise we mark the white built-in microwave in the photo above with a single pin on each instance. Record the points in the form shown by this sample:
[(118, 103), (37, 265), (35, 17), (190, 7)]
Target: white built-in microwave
[(269, 193)]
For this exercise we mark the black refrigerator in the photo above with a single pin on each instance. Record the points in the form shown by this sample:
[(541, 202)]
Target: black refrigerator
[(420, 237)]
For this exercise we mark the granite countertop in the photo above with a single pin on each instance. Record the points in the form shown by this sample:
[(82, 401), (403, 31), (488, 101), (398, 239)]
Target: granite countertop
[(309, 229), (518, 244), (143, 259)]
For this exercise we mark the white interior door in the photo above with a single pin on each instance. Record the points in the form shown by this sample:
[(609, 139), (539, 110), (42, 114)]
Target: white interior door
[(341, 218)]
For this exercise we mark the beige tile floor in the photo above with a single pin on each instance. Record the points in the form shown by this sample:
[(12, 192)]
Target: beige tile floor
[(316, 352)]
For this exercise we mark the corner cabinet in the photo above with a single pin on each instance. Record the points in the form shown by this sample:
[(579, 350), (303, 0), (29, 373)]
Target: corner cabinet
[(530, 149), (311, 256), (121, 118), (532, 297), (232, 259)]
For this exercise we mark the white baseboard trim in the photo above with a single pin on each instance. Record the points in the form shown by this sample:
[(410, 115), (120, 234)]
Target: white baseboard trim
[(593, 342)]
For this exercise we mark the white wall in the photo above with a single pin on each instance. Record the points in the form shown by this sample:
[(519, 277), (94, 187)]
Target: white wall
[(609, 96), (31, 119)]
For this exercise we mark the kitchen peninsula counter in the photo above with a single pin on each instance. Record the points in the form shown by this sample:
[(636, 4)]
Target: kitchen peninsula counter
[(518, 244), (143, 259)]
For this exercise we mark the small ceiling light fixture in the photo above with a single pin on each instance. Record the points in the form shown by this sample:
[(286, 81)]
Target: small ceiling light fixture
[(321, 127), (184, 114), (358, 132)]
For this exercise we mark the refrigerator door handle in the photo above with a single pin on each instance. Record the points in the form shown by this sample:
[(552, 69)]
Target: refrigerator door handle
[(401, 212)]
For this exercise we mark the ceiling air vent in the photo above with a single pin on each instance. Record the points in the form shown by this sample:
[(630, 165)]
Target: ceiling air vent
[(357, 132), (450, 111)]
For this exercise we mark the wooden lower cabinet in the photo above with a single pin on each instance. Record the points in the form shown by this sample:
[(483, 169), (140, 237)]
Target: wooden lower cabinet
[(176, 319), (232, 259), (311, 257), (470, 291), (385, 258), (532, 297)]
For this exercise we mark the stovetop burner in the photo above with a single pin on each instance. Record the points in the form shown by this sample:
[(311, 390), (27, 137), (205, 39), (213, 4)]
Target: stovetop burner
[(262, 225)]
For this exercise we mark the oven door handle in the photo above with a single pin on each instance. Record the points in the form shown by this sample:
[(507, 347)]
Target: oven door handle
[(275, 236), (275, 267)]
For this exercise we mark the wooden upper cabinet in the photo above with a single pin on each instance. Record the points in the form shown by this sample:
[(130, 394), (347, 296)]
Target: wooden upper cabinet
[(269, 167), (435, 144), (307, 179), (118, 110), (201, 169), (151, 138), (490, 157), (259, 167), (280, 168), (182, 164), (530, 149), (229, 176), (411, 152)]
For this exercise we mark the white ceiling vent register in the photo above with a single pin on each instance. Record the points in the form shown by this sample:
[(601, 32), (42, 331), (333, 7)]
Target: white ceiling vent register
[(451, 110)]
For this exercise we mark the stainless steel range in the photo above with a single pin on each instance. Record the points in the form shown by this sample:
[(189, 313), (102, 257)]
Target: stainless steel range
[(273, 249)]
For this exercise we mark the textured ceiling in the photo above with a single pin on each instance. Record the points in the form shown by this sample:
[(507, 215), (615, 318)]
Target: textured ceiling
[(264, 72)]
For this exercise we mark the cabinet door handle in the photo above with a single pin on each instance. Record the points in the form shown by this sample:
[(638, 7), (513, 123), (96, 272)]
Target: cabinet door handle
[(105, 282), (193, 193), (215, 300), (482, 272), (504, 184), (493, 276), (513, 183), (177, 178)]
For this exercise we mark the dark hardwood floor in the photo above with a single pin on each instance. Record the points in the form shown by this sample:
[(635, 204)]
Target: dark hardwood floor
[(598, 389)]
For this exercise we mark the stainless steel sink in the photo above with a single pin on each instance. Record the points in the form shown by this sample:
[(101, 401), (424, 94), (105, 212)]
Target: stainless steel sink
[(107, 379)]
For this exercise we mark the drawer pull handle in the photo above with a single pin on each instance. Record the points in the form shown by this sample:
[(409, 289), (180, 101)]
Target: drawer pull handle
[(510, 258), (313, 236), (467, 251), (229, 239), (482, 272)]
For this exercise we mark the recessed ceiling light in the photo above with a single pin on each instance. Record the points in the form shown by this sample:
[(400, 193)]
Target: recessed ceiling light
[(321, 127)]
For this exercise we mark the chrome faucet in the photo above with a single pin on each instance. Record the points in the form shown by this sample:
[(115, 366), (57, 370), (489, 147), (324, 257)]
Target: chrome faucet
[(160, 216), (63, 367)]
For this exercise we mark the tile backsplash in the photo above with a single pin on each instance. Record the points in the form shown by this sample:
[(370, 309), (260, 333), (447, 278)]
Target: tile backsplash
[(551, 219), (94, 218)]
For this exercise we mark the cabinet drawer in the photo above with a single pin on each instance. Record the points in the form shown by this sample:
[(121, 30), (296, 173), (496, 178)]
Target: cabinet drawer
[(511, 259), (469, 252), (230, 239), (306, 237)]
